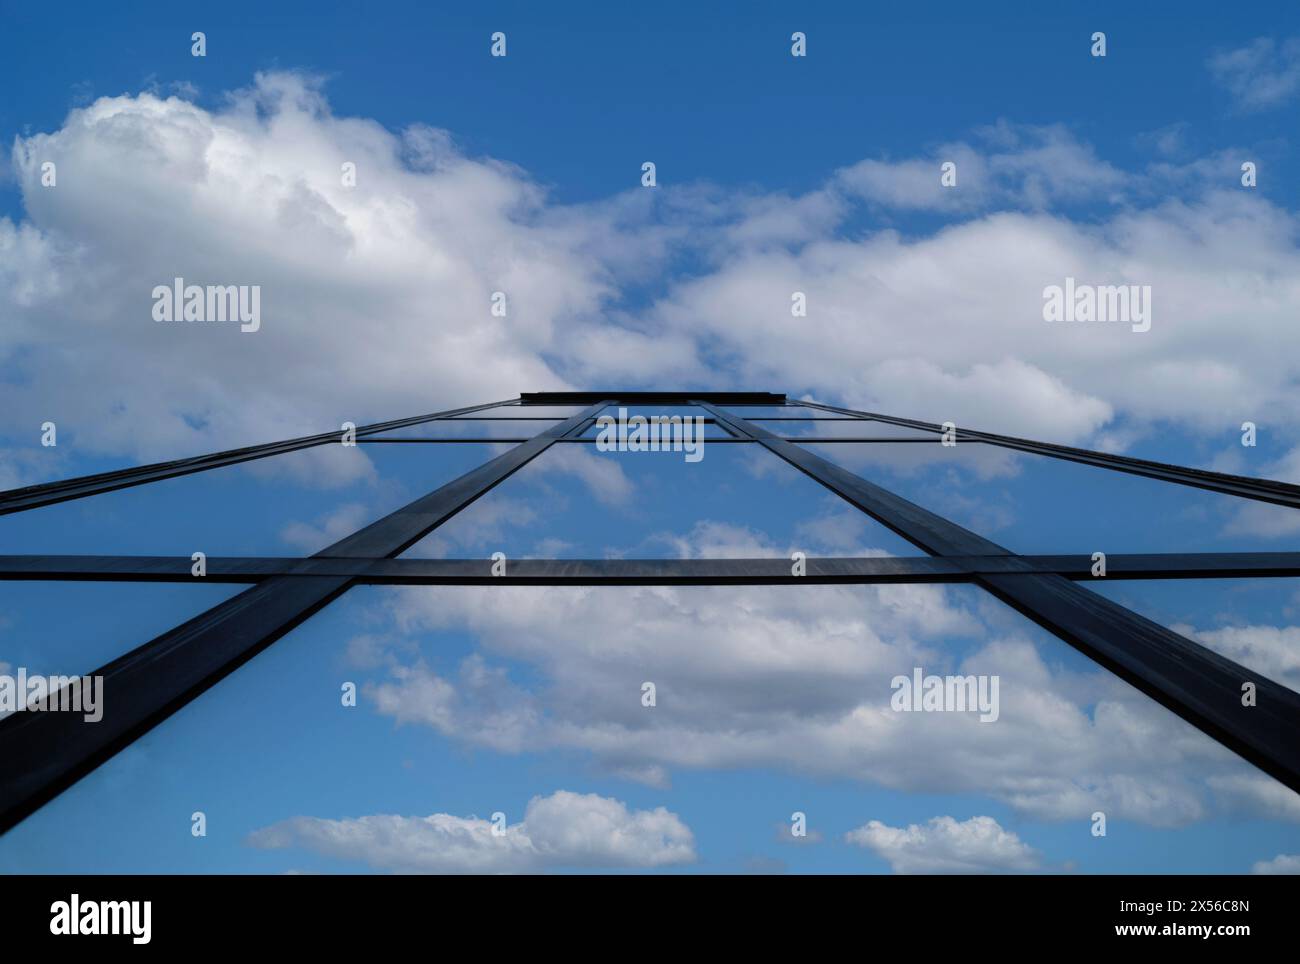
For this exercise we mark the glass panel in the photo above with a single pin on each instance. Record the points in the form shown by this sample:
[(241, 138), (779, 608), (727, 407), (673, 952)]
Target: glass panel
[(711, 431), (1036, 504), (752, 412), (1215, 448), (662, 411), (24, 463), (847, 428), (576, 502), (464, 428), (514, 411), (285, 505), (72, 628)]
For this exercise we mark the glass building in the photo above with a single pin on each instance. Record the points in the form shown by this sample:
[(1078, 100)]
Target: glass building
[(654, 597)]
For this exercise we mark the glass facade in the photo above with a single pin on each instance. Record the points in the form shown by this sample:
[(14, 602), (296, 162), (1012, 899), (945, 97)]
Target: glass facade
[(776, 611)]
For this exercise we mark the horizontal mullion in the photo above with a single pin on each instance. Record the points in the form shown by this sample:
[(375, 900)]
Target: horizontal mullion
[(707, 440), (591, 440), (253, 569), (450, 440), (832, 439), (479, 571)]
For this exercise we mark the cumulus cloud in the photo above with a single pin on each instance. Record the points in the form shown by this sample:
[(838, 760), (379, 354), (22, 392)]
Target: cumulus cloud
[(375, 297), (949, 326), (563, 830), (947, 846)]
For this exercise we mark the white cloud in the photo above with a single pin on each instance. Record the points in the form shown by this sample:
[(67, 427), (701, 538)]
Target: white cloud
[(949, 325), (603, 476), (479, 526), (563, 830), (798, 680), (1011, 165), (1260, 519), (1281, 864), (1273, 651), (1260, 75), (1254, 792), (945, 846), (375, 297), (504, 716), (309, 538), (375, 305)]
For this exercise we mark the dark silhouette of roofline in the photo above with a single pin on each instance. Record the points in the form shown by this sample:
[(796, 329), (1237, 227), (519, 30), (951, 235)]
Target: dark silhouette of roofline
[(652, 398)]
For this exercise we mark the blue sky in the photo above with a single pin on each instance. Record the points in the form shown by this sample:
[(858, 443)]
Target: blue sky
[(776, 174), (703, 93)]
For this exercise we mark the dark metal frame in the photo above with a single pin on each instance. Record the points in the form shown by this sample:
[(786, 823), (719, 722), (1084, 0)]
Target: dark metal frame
[(42, 754)]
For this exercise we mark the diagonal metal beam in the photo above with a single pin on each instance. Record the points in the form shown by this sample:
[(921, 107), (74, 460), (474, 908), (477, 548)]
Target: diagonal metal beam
[(919, 526), (48, 493), (1198, 684), (42, 754), (1246, 487)]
